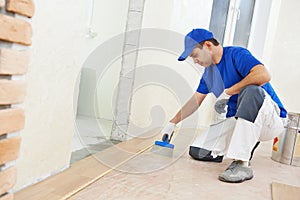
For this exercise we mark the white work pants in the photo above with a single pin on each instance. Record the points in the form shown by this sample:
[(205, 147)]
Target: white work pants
[(235, 138)]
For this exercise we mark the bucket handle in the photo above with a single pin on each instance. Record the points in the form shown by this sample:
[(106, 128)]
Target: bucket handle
[(293, 127)]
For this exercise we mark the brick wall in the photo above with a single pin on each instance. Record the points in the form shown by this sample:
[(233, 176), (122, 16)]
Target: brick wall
[(15, 39)]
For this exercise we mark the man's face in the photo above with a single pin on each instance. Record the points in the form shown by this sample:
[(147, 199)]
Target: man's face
[(202, 56)]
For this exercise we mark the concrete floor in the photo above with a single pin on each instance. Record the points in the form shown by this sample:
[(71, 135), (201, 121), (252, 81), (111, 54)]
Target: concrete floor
[(153, 176)]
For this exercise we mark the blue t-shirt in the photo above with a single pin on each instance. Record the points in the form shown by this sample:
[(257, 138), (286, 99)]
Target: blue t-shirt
[(235, 65)]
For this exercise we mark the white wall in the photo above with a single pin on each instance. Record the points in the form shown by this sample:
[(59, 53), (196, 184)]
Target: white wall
[(108, 22), (59, 49), (177, 15), (283, 50), (162, 83), (273, 40), (57, 54)]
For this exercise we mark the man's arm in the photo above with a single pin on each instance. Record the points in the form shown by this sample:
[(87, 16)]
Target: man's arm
[(258, 75), (189, 108)]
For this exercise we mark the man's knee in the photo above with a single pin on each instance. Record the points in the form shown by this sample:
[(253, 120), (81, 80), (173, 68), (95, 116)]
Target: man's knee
[(251, 90), (250, 100)]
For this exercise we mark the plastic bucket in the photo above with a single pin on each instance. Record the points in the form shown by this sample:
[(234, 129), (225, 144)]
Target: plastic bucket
[(286, 147)]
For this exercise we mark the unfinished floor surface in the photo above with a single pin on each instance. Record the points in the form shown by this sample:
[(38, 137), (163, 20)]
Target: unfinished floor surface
[(153, 175)]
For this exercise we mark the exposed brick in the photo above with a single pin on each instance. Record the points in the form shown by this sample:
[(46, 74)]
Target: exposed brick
[(9, 149), (7, 197), (12, 92), (11, 120), (13, 62), (15, 30), (2, 3), (22, 7), (8, 179)]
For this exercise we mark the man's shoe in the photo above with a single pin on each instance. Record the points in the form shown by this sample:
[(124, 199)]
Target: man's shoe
[(204, 155), (236, 173)]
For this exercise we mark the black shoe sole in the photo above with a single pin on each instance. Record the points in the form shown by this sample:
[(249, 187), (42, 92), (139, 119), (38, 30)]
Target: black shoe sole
[(203, 155)]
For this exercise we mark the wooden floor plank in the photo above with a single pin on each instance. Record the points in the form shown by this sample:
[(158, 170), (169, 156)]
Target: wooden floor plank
[(283, 191), (86, 171)]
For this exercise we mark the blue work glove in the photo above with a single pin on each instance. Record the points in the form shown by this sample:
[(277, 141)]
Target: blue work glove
[(167, 131), (221, 103)]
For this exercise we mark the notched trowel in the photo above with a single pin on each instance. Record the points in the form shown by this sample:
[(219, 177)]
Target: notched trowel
[(164, 147)]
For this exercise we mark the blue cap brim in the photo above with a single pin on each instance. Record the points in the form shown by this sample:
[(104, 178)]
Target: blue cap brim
[(181, 58), (185, 54)]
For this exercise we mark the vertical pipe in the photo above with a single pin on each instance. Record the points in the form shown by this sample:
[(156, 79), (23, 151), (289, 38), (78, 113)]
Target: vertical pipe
[(90, 33)]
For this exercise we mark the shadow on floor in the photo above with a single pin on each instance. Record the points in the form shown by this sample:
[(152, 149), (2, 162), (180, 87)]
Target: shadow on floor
[(91, 149)]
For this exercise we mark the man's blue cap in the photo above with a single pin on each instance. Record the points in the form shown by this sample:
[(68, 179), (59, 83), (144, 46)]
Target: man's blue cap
[(193, 38)]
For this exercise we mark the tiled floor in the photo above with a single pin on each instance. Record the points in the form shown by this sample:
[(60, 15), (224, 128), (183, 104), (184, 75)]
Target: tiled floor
[(152, 175)]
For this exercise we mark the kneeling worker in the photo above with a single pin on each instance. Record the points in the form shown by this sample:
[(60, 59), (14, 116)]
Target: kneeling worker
[(241, 84)]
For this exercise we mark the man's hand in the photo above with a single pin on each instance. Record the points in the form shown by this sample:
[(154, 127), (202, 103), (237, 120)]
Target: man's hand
[(167, 131), (221, 102)]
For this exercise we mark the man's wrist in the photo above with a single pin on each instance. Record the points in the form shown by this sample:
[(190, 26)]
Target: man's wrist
[(173, 121), (228, 92)]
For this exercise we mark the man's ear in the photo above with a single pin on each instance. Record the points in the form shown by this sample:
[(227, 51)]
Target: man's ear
[(208, 44)]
